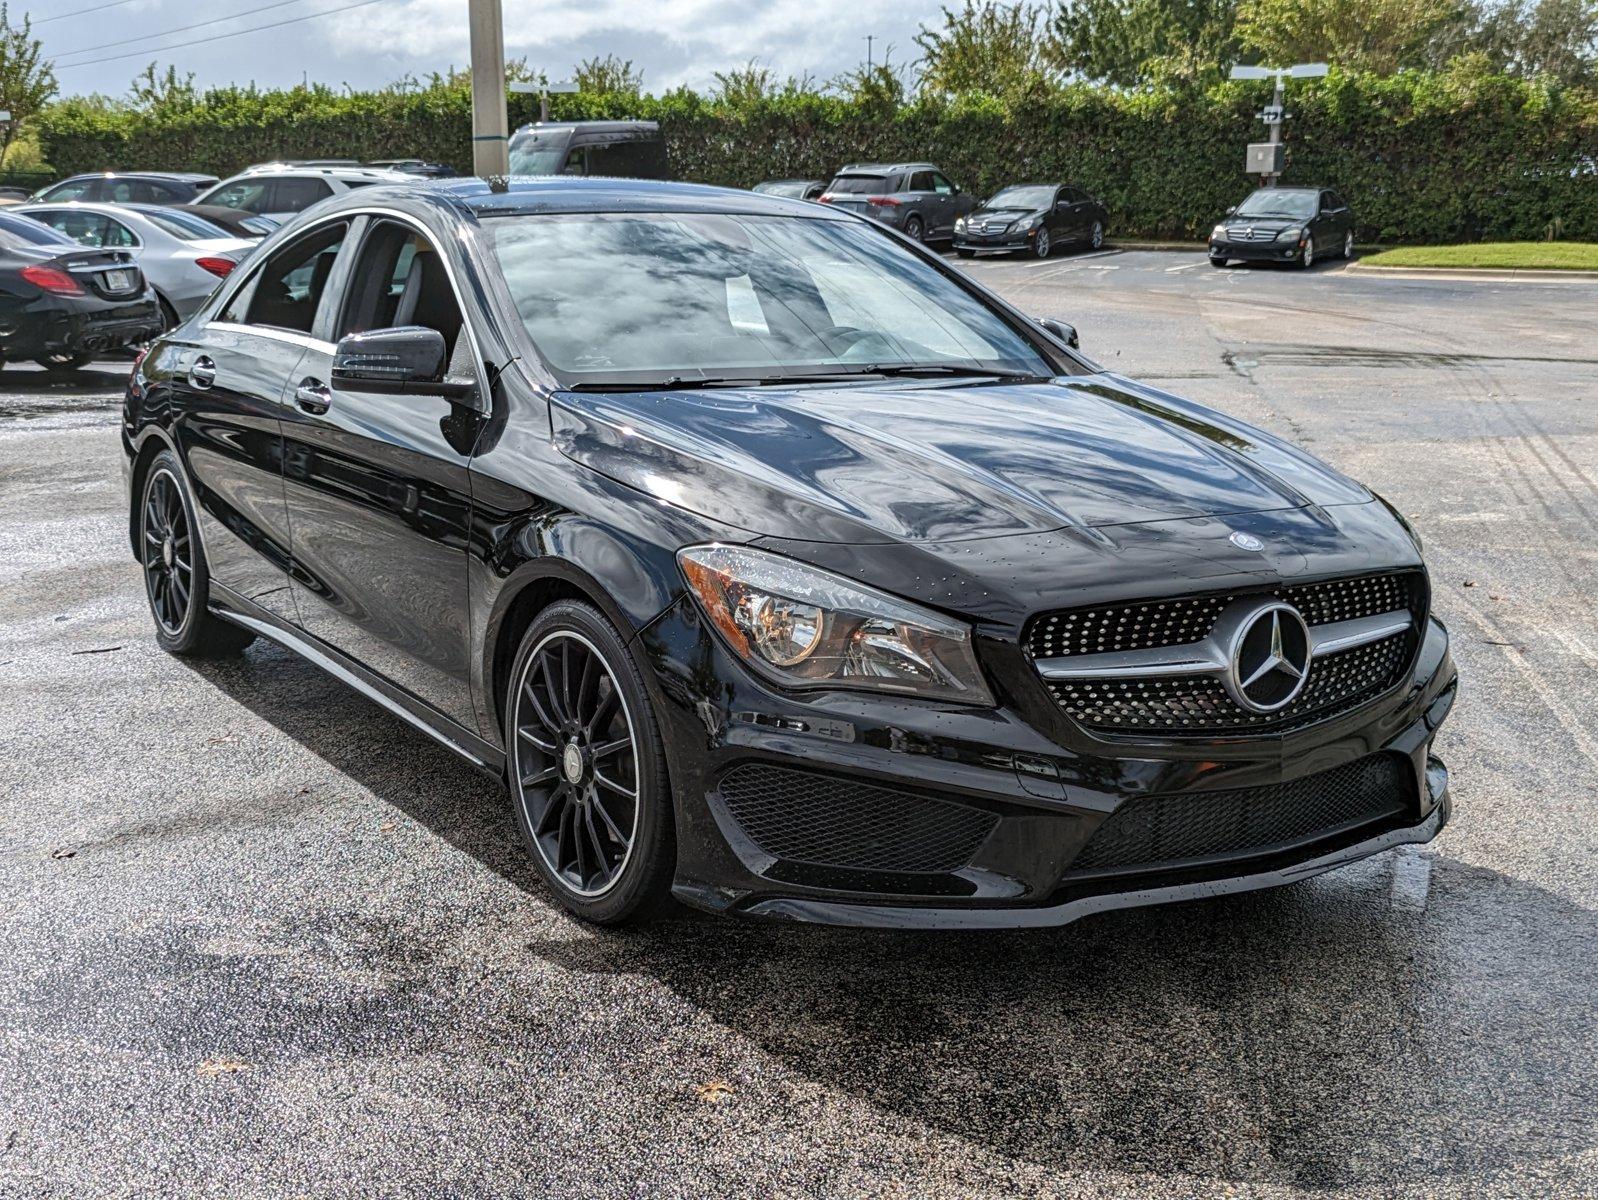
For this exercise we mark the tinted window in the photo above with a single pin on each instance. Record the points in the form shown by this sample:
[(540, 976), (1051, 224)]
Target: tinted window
[(31, 230), (858, 185), (643, 297), (920, 181), (541, 153), (126, 191), (87, 228), (1278, 202), (941, 185), (1333, 200), (184, 225), (169, 193), (72, 189), (296, 195), (400, 279), (1032, 196), (628, 160), (290, 285), (251, 195)]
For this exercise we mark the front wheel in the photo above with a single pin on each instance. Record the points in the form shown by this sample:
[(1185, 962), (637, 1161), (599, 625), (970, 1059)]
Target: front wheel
[(1306, 259), (177, 581), (966, 253), (586, 767), (1041, 245)]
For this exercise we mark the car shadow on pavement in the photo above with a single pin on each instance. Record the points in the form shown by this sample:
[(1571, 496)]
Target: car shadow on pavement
[(1409, 1020)]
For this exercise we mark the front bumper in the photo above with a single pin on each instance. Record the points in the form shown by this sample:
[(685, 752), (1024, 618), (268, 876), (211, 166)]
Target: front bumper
[(1272, 251), (995, 241), (1044, 790)]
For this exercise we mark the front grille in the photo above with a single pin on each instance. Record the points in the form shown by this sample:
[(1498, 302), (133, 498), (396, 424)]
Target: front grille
[(1162, 832), (803, 817), (1198, 705)]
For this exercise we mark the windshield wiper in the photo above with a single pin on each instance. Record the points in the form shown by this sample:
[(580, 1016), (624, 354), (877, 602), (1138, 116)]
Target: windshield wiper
[(901, 370), (673, 383)]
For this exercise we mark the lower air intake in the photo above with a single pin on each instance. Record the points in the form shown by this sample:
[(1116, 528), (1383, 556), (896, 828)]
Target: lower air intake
[(1157, 832), (803, 817)]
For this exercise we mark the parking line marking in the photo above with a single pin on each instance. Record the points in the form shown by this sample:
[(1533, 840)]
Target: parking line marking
[(1183, 267)]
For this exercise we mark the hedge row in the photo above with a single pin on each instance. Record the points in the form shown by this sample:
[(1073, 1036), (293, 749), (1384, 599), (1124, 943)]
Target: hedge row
[(1423, 157)]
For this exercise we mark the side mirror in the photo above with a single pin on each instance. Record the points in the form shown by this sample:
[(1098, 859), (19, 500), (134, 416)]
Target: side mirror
[(406, 360), (1232, 211), (1061, 331)]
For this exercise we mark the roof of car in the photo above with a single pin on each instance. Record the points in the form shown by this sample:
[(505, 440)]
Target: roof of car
[(575, 194), (180, 176), (335, 172), (590, 127), (849, 168)]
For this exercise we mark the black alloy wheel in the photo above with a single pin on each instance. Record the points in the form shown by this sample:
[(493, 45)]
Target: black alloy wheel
[(1306, 259), (176, 580), (1348, 245), (586, 767), (62, 361), (915, 230), (1042, 246), (1096, 238)]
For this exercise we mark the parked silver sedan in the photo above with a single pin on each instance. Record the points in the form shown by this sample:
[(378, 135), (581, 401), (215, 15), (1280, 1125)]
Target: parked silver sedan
[(183, 255)]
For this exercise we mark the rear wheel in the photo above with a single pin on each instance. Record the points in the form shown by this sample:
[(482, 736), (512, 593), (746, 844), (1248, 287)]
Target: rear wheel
[(915, 230), (1348, 245), (177, 582), (1096, 237), (63, 361), (587, 770)]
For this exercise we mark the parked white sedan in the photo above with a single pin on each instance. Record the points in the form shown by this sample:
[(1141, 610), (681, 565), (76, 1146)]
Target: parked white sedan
[(183, 255)]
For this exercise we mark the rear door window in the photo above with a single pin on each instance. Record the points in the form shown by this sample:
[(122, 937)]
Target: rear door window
[(627, 160), (920, 181), (251, 195), (289, 288), (941, 185), (297, 194), (72, 189), (126, 191)]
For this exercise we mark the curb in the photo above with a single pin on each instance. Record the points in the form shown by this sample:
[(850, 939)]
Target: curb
[(1192, 247), (1483, 274)]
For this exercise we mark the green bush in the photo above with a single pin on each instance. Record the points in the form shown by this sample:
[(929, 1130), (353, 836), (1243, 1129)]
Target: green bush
[(1424, 157)]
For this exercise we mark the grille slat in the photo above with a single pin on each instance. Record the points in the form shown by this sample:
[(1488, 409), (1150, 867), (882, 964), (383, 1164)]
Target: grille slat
[(804, 817), (1164, 831), (1198, 705)]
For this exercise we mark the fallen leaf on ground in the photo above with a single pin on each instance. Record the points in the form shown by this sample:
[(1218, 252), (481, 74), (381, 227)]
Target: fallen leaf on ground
[(212, 1067), (714, 1092), (386, 827), (63, 852)]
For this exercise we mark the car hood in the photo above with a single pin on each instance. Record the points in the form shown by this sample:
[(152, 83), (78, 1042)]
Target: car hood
[(1004, 214), (894, 463), (1270, 224)]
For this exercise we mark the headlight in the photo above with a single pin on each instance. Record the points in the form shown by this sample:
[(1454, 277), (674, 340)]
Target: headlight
[(1289, 235), (1218, 232), (959, 224), (1027, 224), (804, 627)]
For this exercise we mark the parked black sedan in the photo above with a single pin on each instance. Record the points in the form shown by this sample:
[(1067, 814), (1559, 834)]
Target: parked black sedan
[(1033, 218), (62, 304), (778, 566), (1281, 224)]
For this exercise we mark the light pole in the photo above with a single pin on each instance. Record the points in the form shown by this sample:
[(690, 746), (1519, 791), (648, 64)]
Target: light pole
[(545, 91), (1266, 159), (490, 155)]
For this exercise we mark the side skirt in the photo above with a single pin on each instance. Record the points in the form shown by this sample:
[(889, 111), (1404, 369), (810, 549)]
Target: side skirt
[(233, 607)]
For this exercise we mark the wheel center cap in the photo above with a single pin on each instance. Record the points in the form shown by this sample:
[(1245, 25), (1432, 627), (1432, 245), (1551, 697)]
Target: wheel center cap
[(571, 763), (168, 552)]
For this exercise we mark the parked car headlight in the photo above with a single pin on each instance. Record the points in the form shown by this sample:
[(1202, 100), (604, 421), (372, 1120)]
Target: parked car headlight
[(804, 627), (1290, 235), (1218, 232), (1027, 224), (959, 224)]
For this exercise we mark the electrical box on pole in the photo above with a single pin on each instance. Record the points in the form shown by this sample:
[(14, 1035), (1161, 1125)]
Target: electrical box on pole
[(1266, 158)]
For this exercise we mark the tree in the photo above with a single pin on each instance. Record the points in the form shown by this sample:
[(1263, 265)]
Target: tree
[(26, 81), (161, 95), (987, 46), (608, 75), (745, 86), (1132, 42), (1362, 35), (1551, 39), (878, 87)]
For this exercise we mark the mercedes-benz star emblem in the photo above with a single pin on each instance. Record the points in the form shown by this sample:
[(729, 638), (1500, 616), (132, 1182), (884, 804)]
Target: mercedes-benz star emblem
[(1270, 659), (1246, 541)]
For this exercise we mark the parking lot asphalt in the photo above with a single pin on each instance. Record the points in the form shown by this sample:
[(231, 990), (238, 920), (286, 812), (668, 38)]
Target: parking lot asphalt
[(260, 938)]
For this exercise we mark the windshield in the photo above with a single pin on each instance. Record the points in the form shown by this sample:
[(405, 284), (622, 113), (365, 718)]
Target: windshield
[(859, 185), (665, 298), (1032, 196), (1277, 202), (539, 153), (184, 225)]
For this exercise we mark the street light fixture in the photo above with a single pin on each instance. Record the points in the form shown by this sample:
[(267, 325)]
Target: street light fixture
[(1266, 159), (545, 91)]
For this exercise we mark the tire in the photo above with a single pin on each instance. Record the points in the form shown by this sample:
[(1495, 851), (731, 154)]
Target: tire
[(1042, 245), (1348, 245), (574, 748), (1096, 236), (1218, 263), (1306, 260), (177, 582), (63, 362), (915, 230), (169, 315), (966, 253)]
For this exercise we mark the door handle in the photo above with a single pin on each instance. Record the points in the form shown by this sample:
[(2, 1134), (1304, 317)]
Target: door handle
[(202, 372), (313, 396)]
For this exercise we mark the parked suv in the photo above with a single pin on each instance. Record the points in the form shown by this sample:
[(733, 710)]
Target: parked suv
[(1285, 225), (621, 149), (114, 187), (915, 198), (279, 192)]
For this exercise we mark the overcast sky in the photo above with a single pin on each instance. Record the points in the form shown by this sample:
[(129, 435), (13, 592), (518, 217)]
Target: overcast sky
[(673, 41)]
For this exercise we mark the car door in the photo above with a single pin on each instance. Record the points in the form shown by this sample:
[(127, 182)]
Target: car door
[(947, 197), (1343, 215), (377, 484), (1065, 225), (233, 375)]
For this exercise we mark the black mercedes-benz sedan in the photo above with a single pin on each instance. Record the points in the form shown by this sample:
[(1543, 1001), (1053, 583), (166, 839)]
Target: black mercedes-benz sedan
[(1032, 218), (1284, 224), (777, 566)]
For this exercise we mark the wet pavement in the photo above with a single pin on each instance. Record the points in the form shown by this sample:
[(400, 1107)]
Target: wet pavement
[(259, 938)]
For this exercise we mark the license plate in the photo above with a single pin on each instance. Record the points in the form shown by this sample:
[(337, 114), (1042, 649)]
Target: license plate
[(118, 281)]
